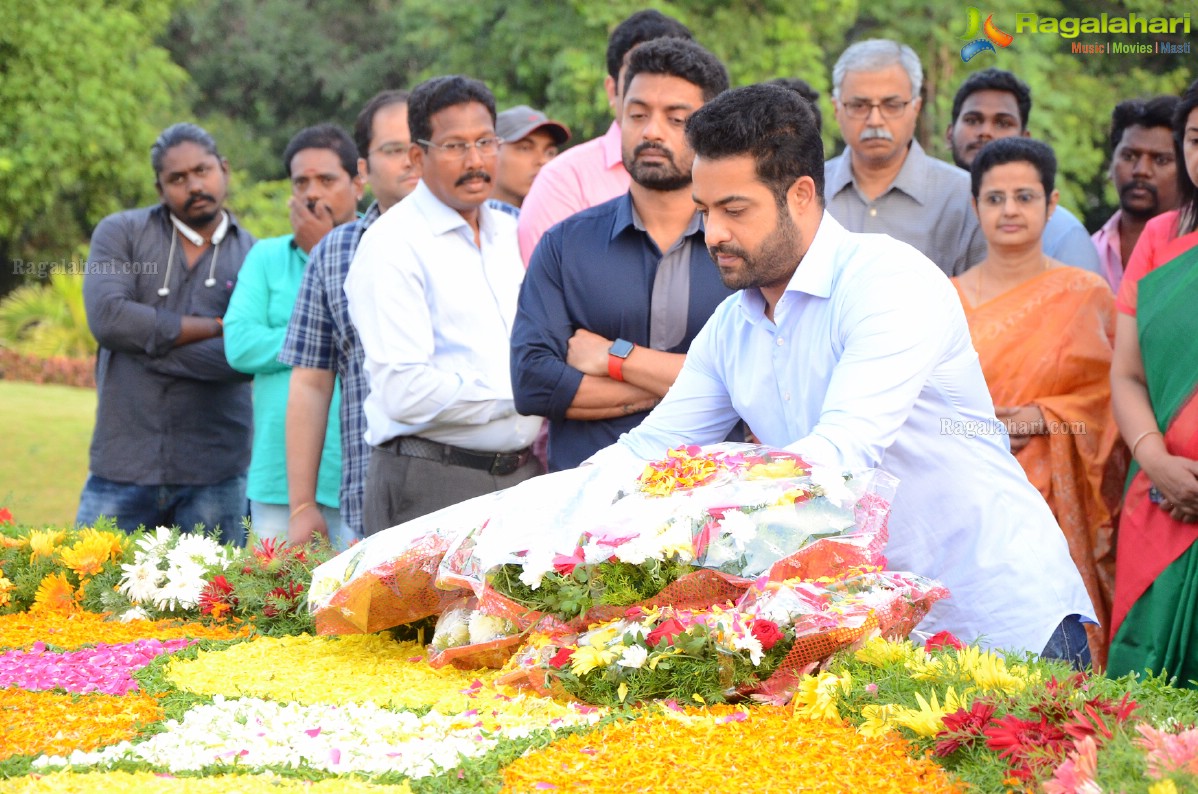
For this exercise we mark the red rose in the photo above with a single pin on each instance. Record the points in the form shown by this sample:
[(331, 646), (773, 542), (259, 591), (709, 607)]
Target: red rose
[(767, 632), (561, 658), (666, 631), (943, 639)]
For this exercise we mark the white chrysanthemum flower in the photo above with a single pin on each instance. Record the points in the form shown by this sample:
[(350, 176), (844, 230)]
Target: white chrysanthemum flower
[(537, 563), (198, 549), (634, 656), (453, 630), (153, 546), (635, 552), (485, 628), (140, 581), (594, 553), (181, 589), (747, 642), (738, 526), (136, 613), (832, 484)]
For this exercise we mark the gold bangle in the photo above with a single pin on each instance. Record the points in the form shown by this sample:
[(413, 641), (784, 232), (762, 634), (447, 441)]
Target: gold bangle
[(1143, 436), (302, 508)]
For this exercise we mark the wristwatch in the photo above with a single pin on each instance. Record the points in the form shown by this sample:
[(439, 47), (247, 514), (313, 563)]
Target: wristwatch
[(616, 354)]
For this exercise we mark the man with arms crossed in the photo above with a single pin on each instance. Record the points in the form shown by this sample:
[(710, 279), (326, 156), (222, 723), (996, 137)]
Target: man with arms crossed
[(849, 350), (615, 294)]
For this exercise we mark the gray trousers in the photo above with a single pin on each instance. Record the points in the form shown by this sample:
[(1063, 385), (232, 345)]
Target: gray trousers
[(400, 488)]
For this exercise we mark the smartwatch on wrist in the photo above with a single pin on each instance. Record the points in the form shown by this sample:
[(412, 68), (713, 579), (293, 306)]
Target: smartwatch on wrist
[(616, 354)]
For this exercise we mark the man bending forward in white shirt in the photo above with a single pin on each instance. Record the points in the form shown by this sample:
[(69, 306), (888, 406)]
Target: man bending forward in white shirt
[(853, 350)]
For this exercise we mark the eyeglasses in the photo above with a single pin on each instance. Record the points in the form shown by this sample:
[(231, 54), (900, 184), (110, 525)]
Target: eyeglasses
[(392, 149), (487, 147), (1023, 198), (889, 108)]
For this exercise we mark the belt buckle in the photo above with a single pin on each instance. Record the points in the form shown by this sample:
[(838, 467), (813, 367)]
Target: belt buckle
[(497, 465)]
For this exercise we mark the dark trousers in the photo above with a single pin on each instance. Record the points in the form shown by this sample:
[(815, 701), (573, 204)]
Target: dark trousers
[(400, 488)]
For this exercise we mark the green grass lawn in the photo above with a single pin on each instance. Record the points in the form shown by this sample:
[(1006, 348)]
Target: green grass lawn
[(43, 462)]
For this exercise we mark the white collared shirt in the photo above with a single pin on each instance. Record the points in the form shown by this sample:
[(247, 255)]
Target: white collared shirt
[(868, 363), (434, 313)]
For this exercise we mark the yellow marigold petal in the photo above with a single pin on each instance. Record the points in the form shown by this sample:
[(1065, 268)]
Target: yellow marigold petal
[(56, 724), (151, 783)]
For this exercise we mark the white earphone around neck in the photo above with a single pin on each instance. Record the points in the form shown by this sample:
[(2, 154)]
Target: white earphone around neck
[(195, 238)]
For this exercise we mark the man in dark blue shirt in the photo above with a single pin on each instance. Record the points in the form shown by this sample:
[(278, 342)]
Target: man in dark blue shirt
[(615, 294)]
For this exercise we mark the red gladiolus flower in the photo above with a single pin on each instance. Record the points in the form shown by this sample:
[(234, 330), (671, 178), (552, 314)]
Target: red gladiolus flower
[(5, 516), (667, 630), (943, 639), (767, 632), (284, 597), (1031, 748), (561, 658), (963, 727), (217, 597)]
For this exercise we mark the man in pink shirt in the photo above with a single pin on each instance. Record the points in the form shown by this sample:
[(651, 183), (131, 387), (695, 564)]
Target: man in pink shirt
[(591, 172), (1144, 171)]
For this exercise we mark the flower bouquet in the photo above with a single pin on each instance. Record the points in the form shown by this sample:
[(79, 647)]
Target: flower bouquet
[(469, 638), (761, 647), (695, 530), (389, 579), (657, 654), (170, 573)]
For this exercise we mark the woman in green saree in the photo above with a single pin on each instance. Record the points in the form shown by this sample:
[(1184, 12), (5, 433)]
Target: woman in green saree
[(1154, 390)]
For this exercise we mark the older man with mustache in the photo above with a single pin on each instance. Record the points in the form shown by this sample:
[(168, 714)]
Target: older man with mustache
[(884, 181), (432, 291), (615, 294)]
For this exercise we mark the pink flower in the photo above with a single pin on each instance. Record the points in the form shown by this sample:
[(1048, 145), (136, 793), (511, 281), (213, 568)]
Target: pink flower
[(1076, 773), (1169, 752)]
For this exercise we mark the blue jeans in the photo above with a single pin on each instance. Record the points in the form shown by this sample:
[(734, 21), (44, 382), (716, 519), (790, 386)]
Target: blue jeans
[(219, 506), (1069, 644)]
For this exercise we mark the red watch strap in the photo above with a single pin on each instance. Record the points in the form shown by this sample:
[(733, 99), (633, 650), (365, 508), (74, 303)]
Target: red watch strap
[(615, 367)]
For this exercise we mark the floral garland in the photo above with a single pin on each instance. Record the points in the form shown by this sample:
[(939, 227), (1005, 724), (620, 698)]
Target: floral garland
[(253, 733), (107, 669), (24, 629), (693, 750), (158, 783), (51, 722)]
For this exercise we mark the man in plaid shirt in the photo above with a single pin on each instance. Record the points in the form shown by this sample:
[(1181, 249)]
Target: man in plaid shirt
[(322, 343)]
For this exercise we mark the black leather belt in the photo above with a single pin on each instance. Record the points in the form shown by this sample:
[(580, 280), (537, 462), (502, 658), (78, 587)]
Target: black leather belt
[(496, 463)]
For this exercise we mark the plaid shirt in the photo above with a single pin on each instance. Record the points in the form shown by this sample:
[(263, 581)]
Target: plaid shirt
[(321, 336)]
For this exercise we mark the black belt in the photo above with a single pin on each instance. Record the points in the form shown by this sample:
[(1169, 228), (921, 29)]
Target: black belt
[(496, 463)]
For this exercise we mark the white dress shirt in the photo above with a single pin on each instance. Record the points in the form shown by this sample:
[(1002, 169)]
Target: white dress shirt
[(434, 313), (868, 363)]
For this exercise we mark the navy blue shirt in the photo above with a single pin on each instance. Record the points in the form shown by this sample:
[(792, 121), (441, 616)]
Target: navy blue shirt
[(594, 270)]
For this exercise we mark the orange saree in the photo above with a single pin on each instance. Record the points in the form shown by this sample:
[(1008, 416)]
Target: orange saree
[(1049, 342)]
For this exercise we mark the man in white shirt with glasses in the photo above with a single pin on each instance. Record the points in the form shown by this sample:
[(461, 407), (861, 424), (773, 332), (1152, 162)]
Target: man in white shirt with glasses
[(432, 291)]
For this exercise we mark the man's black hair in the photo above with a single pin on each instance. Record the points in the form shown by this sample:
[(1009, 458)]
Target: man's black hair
[(323, 136), (679, 58), (640, 27), (772, 124), (1155, 112), (1187, 203), (1015, 149), (438, 93), (176, 134), (995, 80), (803, 89), (364, 125)]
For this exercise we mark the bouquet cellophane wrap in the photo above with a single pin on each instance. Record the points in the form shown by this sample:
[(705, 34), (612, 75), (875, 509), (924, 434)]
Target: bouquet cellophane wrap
[(790, 521), (389, 578), (835, 612)]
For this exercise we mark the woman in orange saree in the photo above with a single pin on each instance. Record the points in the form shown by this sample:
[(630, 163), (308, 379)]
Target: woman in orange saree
[(1154, 382), (1044, 333)]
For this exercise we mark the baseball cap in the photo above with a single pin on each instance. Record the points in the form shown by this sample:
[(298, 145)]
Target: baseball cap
[(518, 122)]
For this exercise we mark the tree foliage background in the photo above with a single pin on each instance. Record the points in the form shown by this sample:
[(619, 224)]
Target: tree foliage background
[(84, 93)]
